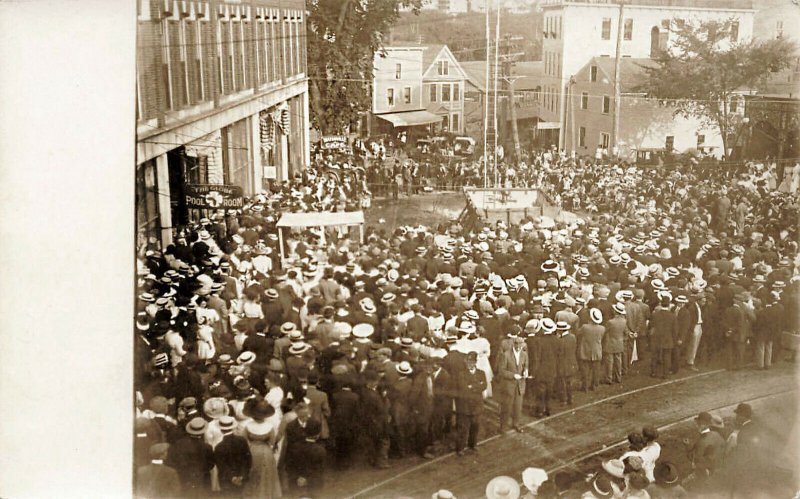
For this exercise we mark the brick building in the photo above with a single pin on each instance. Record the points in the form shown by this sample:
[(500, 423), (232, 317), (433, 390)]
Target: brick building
[(222, 98)]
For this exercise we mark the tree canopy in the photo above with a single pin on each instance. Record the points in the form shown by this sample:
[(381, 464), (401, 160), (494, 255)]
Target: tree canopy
[(706, 66), (343, 37)]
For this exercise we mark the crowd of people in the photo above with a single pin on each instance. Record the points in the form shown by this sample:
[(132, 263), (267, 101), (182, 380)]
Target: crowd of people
[(254, 375)]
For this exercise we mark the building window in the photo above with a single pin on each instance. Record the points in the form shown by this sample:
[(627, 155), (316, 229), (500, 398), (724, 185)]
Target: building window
[(593, 73), (701, 139), (390, 96), (655, 36), (398, 71), (735, 31), (584, 100), (456, 92), (445, 122), (628, 34), (443, 68), (582, 136), (454, 122), (605, 139), (558, 64), (606, 104), (734, 106), (559, 27), (779, 29), (445, 93), (433, 93), (407, 95), (669, 143), (606, 35)]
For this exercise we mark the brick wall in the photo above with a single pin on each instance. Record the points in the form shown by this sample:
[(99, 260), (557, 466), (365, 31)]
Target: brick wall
[(180, 73)]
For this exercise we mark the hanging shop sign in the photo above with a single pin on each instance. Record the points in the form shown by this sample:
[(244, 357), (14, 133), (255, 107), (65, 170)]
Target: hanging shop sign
[(271, 172), (214, 196), (336, 142)]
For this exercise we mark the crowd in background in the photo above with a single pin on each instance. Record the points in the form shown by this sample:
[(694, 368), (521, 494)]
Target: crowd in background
[(260, 377)]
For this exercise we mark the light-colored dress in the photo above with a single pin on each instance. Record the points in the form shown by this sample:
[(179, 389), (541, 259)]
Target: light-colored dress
[(264, 482)]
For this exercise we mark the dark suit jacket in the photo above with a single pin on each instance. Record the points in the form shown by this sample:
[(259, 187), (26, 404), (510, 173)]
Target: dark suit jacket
[(707, 451), (417, 327), (345, 413), (233, 459), (663, 329), (443, 390), (548, 358), (685, 324), (156, 481), (375, 411), (193, 459), (308, 461), (470, 387), (567, 361)]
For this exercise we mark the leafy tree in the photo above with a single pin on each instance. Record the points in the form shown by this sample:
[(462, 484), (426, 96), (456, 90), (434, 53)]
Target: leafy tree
[(705, 68), (343, 37)]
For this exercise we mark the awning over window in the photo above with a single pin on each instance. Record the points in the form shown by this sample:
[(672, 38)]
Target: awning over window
[(321, 219), (411, 118)]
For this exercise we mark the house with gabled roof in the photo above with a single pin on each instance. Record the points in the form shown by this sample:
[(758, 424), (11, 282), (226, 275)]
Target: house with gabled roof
[(443, 81), (418, 89)]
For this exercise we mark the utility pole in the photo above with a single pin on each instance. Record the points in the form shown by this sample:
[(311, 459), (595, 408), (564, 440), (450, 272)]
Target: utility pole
[(508, 63), (617, 78)]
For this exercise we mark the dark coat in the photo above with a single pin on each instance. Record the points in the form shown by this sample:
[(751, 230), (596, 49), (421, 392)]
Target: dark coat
[(684, 323), (345, 413), (233, 459), (375, 412), (707, 451), (663, 329), (193, 459), (400, 398), (470, 387), (156, 481), (548, 358), (308, 461), (567, 361), (443, 390)]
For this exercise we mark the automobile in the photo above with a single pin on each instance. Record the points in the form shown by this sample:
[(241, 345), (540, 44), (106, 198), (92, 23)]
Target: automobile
[(464, 146)]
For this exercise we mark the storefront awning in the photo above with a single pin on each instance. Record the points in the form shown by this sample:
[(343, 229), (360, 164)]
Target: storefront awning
[(411, 118), (321, 219), (548, 125)]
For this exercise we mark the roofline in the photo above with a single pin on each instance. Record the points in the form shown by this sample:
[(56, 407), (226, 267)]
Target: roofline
[(452, 56), (646, 7)]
